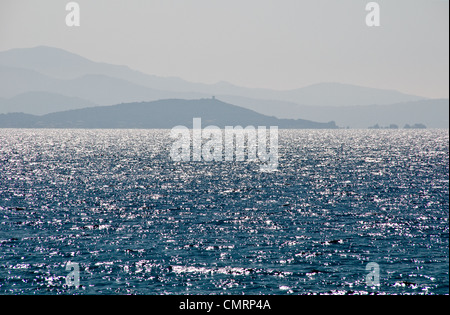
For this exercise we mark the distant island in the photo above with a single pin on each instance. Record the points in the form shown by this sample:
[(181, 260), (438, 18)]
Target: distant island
[(394, 126), (163, 114), (415, 126)]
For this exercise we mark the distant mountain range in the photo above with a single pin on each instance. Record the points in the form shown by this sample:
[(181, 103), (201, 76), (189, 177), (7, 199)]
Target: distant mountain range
[(43, 80), (98, 89), (163, 114), (41, 103), (60, 64)]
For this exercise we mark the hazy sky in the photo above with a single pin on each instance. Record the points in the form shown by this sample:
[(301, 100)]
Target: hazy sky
[(278, 44)]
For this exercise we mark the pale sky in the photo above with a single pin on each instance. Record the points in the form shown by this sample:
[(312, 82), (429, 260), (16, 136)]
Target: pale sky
[(277, 44)]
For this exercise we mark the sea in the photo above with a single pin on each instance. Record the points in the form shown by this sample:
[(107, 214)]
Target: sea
[(109, 212)]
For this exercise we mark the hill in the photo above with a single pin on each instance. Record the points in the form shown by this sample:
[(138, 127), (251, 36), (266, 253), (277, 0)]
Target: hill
[(164, 114)]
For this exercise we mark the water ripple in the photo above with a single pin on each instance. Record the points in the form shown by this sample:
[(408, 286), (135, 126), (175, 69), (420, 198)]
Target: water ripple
[(137, 223)]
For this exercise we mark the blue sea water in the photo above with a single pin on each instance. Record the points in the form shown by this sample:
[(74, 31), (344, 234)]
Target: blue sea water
[(113, 202)]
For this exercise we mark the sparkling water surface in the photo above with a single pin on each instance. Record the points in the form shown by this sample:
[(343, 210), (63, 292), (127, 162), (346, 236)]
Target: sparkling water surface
[(138, 223)]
